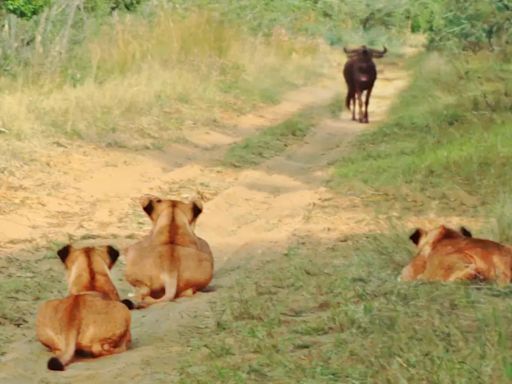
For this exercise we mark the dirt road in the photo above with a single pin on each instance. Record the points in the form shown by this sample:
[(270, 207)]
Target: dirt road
[(80, 192)]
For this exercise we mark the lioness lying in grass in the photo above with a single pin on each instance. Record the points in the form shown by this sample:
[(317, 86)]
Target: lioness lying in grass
[(448, 255)]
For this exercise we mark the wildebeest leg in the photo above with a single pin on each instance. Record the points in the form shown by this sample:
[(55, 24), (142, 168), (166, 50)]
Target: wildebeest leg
[(348, 101), (360, 102), (353, 106), (366, 102)]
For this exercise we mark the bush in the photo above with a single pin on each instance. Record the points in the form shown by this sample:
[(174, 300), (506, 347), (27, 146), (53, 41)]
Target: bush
[(25, 8), (457, 25)]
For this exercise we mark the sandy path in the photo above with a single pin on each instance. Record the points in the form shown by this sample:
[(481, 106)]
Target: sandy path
[(249, 214)]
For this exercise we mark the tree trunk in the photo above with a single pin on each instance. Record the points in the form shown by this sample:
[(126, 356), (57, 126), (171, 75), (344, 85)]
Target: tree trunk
[(11, 31), (65, 36), (40, 32)]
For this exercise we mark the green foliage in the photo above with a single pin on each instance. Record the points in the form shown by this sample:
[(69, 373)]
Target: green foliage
[(128, 5), (25, 8), (450, 24), (102, 6), (474, 25), (464, 25), (43, 39), (339, 22)]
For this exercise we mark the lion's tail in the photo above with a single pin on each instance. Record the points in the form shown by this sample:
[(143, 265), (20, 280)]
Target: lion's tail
[(128, 303), (58, 362)]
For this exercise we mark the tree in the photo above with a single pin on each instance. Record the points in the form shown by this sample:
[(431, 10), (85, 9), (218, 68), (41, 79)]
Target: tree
[(25, 9)]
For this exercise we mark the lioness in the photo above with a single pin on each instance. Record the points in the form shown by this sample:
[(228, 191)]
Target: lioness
[(447, 255), (91, 319), (171, 261)]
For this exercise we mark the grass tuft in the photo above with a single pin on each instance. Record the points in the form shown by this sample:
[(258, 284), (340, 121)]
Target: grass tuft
[(272, 141), (269, 142)]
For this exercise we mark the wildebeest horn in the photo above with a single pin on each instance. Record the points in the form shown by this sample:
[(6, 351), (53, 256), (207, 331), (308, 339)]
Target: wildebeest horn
[(377, 54), (351, 51)]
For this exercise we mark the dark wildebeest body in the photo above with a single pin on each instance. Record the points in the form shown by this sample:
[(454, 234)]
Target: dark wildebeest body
[(360, 74)]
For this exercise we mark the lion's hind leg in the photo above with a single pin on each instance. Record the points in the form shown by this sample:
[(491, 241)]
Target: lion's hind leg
[(468, 273), (111, 346), (187, 293)]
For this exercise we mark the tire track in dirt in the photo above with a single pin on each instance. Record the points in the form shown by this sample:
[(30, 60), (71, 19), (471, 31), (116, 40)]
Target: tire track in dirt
[(250, 215)]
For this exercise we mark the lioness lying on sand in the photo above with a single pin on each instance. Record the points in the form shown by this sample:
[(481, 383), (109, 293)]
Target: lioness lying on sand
[(447, 255), (91, 319), (171, 261)]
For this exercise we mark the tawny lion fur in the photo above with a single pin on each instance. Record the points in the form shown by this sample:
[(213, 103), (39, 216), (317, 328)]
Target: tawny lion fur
[(447, 255), (171, 261), (91, 319)]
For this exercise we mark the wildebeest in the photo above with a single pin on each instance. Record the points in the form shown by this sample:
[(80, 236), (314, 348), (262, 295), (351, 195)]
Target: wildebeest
[(360, 74)]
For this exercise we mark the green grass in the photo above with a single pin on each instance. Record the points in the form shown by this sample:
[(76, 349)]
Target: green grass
[(448, 138), (25, 283), (337, 314), (269, 142), (272, 141)]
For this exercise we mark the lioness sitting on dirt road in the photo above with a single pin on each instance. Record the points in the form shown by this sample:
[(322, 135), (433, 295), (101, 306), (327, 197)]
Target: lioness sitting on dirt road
[(91, 319), (171, 261), (447, 255)]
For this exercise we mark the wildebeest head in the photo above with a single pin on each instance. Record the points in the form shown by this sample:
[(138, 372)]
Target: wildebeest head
[(364, 52)]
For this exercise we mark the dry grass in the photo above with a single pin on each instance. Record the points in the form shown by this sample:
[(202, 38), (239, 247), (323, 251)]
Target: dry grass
[(139, 82)]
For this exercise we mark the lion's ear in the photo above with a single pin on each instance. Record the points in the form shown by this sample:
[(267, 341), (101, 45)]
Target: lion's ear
[(465, 232), (148, 208), (63, 253), (197, 208), (416, 236), (113, 253)]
